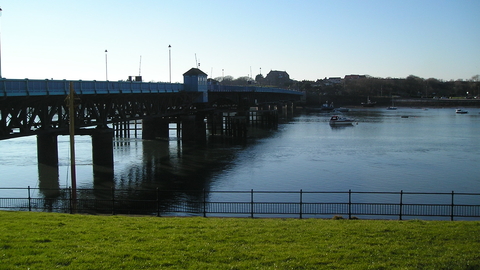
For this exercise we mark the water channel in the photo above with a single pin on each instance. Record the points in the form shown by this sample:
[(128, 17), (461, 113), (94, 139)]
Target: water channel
[(409, 149)]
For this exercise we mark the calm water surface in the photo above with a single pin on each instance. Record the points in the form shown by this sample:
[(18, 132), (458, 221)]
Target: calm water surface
[(432, 150)]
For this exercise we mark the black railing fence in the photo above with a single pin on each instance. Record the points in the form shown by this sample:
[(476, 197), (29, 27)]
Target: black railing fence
[(296, 204)]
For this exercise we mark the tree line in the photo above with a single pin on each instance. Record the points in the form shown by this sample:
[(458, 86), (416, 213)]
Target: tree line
[(412, 86)]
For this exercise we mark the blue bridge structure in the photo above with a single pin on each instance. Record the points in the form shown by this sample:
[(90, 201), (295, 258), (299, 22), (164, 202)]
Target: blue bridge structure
[(101, 108)]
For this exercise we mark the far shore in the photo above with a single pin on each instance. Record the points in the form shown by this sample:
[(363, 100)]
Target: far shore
[(355, 101)]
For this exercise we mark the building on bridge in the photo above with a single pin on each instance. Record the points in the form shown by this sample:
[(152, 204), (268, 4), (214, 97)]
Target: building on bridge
[(195, 80)]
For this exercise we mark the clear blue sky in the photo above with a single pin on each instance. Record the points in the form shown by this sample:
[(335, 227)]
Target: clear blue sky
[(309, 39)]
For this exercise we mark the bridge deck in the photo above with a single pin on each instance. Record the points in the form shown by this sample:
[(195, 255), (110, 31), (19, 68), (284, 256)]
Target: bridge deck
[(27, 87)]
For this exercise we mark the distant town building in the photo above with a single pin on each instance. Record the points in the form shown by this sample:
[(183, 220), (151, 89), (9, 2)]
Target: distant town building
[(332, 81), (354, 77), (277, 78)]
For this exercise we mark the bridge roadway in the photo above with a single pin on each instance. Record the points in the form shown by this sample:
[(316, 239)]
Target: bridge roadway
[(39, 107)]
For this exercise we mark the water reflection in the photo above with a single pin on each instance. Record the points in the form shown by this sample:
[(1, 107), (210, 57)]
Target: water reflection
[(167, 174), (430, 151)]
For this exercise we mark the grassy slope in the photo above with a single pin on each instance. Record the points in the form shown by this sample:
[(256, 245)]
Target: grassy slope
[(49, 240)]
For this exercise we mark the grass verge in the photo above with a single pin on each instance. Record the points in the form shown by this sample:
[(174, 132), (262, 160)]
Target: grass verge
[(51, 240)]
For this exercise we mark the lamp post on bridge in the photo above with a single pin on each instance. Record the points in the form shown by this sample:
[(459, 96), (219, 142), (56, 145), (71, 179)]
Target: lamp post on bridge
[(170, 62), (106, 66)]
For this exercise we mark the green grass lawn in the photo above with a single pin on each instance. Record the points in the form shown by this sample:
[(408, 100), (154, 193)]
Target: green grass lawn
[(51, 241)]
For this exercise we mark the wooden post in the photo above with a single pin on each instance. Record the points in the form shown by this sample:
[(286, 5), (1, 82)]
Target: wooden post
[(71, 112)]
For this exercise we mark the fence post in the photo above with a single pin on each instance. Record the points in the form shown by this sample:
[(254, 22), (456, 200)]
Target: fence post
[(349, 204), (301, 200), (451, 210), (401, 204), (204, 203), (29, 200), (158, 197), (251, 203)]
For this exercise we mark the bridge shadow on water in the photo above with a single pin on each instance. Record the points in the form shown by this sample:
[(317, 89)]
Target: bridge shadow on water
[(170, 174)]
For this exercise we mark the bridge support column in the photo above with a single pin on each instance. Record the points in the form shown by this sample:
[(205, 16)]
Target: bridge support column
[(194, 128), (47, 156), (148, 128), (47, 149), (102, 147), (155, 128), (162, 129)]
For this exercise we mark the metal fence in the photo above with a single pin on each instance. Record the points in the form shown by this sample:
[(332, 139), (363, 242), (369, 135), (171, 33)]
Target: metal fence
[(294, 204)]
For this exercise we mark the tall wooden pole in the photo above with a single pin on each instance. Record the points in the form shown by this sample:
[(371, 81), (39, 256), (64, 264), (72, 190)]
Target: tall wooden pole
[(71, 107)]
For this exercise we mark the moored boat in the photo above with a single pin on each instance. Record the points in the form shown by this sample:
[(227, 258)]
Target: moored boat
[(336, 120), (460, 111), (369, 103), (327, 107), (392, 107)]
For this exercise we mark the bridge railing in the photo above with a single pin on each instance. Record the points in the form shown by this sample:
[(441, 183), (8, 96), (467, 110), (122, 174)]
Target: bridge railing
[(26, 87), (294, 204)]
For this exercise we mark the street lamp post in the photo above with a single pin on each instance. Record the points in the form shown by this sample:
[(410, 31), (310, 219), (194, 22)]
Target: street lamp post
[(170, 62), (106, 66)]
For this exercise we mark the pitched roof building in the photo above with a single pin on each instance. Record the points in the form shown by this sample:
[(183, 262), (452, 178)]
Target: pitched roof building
[(277, 78)]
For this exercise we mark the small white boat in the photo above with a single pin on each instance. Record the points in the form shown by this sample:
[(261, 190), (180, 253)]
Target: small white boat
[(336, 120), (392, 107), (460, 111), (369, 103)]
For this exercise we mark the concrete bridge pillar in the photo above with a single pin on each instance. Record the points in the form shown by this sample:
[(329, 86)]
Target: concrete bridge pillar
[(155, 128), (194, 128), (47, 156), (148, 128), (47, 149), (102, 147)]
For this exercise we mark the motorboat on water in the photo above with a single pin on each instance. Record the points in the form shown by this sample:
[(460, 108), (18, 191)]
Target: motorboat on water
[(327, 107), (336, 120), (460, 111), (324, 108)]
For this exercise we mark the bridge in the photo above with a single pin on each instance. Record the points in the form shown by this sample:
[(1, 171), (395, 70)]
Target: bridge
[(101, 109)]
